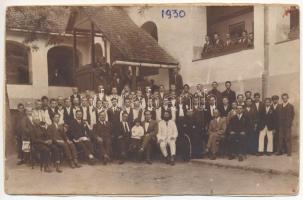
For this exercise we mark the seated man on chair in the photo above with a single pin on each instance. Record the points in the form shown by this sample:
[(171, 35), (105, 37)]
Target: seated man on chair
[(79, 134), (216, 133), (150, 132), (167, 136), (59, 138), (42, 142), (238, 128), (102, 132)]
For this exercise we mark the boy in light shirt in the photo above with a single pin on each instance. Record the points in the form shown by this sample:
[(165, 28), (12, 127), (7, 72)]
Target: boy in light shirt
[(137, 133)]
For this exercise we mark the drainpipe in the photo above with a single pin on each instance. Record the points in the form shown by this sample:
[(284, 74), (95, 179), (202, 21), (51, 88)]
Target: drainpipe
[(265, 75)]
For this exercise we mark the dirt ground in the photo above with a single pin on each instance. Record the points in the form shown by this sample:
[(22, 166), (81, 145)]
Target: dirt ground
[(142, 179)]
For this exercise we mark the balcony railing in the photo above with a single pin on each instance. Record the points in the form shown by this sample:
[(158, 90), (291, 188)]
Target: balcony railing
[(199, 54)]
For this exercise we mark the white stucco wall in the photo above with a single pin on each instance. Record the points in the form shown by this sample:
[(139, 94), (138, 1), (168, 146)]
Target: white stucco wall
[(39, 71)]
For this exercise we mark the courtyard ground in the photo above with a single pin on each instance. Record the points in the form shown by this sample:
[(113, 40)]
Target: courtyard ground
[(198, 177)]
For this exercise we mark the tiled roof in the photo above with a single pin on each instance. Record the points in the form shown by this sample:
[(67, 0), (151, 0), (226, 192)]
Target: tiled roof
[(38, 18), (133, 42)]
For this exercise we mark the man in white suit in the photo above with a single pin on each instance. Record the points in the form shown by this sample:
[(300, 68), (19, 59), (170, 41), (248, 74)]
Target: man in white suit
[(167, 136)]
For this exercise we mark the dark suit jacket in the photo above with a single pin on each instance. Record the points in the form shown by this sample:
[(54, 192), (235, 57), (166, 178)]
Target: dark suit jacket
[(224, 112), (231, 95), (239, 125), (39, 135), (123, 132), (267, 119), (68, 117), (27, 128), (72, 98), (56, 133), (218, 95), (286, 115), (52, 113), (258, 114), (276, 113), (78, 130), (152, 128), (102, 130), (177, 80), (251, 117)]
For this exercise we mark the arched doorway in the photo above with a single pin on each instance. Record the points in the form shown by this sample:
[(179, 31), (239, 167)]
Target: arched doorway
[(61, 66), (151, 28), (17, 63)]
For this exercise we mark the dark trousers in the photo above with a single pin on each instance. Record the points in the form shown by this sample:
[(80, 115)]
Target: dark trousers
[(183, 145), (252, 142), (284, 140), (237, 144), (68, 149), (123, 147), (105, 146), (86, 146), (45, 153), (19, 147), (147, 144), (198, 143), (276, 140)]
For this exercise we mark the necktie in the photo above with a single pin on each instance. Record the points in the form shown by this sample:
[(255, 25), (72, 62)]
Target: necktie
[(125, 126)]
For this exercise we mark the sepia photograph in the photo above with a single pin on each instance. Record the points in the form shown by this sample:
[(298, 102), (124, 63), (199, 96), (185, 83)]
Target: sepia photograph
[(152, 99)]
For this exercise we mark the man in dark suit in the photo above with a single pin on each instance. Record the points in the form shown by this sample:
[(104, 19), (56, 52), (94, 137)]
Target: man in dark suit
[(225, 107), (113, 114), (177, 80), (286, 117), (68, 112), (102, 133), (124, 137), (214, 91), (210, 109), (27, 127), (208, 46), (80, 135), (75, 95), (229, 93), (218, 43), (238, 127), (252, 132), (52, 110), (19, 115), (60, 140), (129, 110), (266, 127), (276, 107), (150, 132)]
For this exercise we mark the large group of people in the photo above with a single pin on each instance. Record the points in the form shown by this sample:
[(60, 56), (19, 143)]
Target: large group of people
[(215, 45), (133, 125)]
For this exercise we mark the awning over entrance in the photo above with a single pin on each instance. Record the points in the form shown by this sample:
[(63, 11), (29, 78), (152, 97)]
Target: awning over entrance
[(134, 44)]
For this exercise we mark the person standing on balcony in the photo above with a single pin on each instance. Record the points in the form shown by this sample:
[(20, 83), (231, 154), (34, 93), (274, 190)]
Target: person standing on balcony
[(218, 43)]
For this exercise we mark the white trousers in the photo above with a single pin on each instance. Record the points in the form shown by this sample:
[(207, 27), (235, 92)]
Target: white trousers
[(269, 134), (172, 146)]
